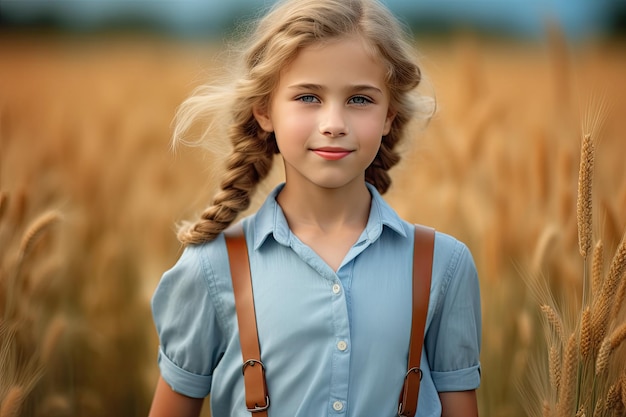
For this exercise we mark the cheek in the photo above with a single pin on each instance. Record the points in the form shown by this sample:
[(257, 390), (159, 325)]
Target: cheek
[(296, 126)]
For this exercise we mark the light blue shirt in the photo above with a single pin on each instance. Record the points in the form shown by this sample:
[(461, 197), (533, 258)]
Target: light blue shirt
[(333, 343)]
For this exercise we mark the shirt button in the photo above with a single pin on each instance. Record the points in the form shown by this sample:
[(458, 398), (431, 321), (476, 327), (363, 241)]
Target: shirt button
[(336, 288), (337, 406), (342, 345)]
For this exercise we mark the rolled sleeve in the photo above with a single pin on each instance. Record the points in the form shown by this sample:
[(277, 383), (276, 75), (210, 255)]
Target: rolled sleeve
[(461, 380), (182, 381), (187, 324), (453, 340)]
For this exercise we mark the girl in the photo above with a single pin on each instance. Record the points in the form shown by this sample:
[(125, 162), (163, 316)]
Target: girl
[(328, 84)]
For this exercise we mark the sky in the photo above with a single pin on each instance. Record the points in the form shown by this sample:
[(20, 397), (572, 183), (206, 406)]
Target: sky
[(525, 18)]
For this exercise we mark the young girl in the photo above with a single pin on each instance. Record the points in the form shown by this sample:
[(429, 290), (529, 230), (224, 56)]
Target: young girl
[(329, 85)]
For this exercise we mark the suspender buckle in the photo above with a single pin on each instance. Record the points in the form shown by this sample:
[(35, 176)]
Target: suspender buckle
[(402, 411), (257, 408), (252, 362)]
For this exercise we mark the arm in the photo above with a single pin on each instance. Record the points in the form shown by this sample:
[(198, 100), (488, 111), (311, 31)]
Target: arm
[(459, 404), (168, 403)]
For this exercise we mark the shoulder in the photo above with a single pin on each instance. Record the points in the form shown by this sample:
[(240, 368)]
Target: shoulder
[(454, 272), (199, 261), (451, 254), (196, 272)]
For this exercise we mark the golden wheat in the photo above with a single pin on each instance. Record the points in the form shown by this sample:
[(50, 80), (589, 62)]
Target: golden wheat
[(567, 394), (585, 334), (585, 192), (555, 321), (555, 367), (605, 301), (608, 346), (497, 165), (597, 268), (613, 400)]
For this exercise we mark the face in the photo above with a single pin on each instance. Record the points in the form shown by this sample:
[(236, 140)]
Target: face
[(329, 113)]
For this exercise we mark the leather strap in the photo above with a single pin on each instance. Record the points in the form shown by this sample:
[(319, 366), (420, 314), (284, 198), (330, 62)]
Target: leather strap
[(423, 250), (257, 398)]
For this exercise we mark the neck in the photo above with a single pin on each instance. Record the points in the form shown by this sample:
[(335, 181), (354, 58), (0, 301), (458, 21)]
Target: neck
[(324, 209)]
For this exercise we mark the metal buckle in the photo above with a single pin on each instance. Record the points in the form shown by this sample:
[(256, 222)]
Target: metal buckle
[(257, 408), (251, 362), (415, 369)]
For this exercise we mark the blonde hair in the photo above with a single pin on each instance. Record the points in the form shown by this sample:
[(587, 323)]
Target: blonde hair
[(287, 28)]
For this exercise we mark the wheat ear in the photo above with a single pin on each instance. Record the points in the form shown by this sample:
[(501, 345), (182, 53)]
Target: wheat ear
[(585, 333), (554, 320), (554, 367), (600, 313), (613, 400), (597, 268), (584, 202), (567, 394), (621, 290), (608, 346), (36, 230)]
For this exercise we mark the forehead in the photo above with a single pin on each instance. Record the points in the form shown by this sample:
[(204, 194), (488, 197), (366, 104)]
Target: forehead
[(346, 59)]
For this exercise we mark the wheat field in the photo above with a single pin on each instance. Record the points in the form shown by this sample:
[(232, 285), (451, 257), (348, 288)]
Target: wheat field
[(90, 192)]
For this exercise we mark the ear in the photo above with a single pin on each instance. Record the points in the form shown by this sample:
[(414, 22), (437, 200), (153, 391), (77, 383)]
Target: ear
[(262, 116), (391, 115)]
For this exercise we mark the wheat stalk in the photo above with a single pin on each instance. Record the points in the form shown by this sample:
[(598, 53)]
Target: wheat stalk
[(584, 201), (608, 346), (600, 313), (36, 230), (33, 233), (585, 334), (554, 367), (618, 268), (597, 268), (567, 394), (554, 319), (613, 397)]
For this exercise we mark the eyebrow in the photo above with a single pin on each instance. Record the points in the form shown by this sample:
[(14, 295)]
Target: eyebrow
[(317, 87)]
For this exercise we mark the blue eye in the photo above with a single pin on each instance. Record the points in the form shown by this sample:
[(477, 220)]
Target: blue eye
[(308, 99), (359, 100)]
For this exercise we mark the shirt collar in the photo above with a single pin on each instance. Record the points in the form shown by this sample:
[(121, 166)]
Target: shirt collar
[(270, 219)]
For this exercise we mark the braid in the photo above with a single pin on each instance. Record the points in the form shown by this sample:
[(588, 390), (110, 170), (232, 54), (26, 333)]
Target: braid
[(377, 173), (250, 162)]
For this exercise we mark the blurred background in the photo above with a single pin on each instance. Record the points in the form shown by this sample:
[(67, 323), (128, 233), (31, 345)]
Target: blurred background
[(577, 18), (90, 190)]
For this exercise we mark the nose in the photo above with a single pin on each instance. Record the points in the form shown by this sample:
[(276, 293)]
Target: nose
[(333, 122)]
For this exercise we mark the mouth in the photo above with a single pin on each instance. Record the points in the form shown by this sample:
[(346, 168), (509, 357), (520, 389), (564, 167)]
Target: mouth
[(331, 153)]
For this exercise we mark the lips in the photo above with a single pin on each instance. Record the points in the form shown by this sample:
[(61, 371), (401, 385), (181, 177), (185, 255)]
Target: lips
[(332, 153)]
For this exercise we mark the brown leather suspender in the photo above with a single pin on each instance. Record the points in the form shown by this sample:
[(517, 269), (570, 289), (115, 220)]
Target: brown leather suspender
[(257, 398), (423, 250)]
